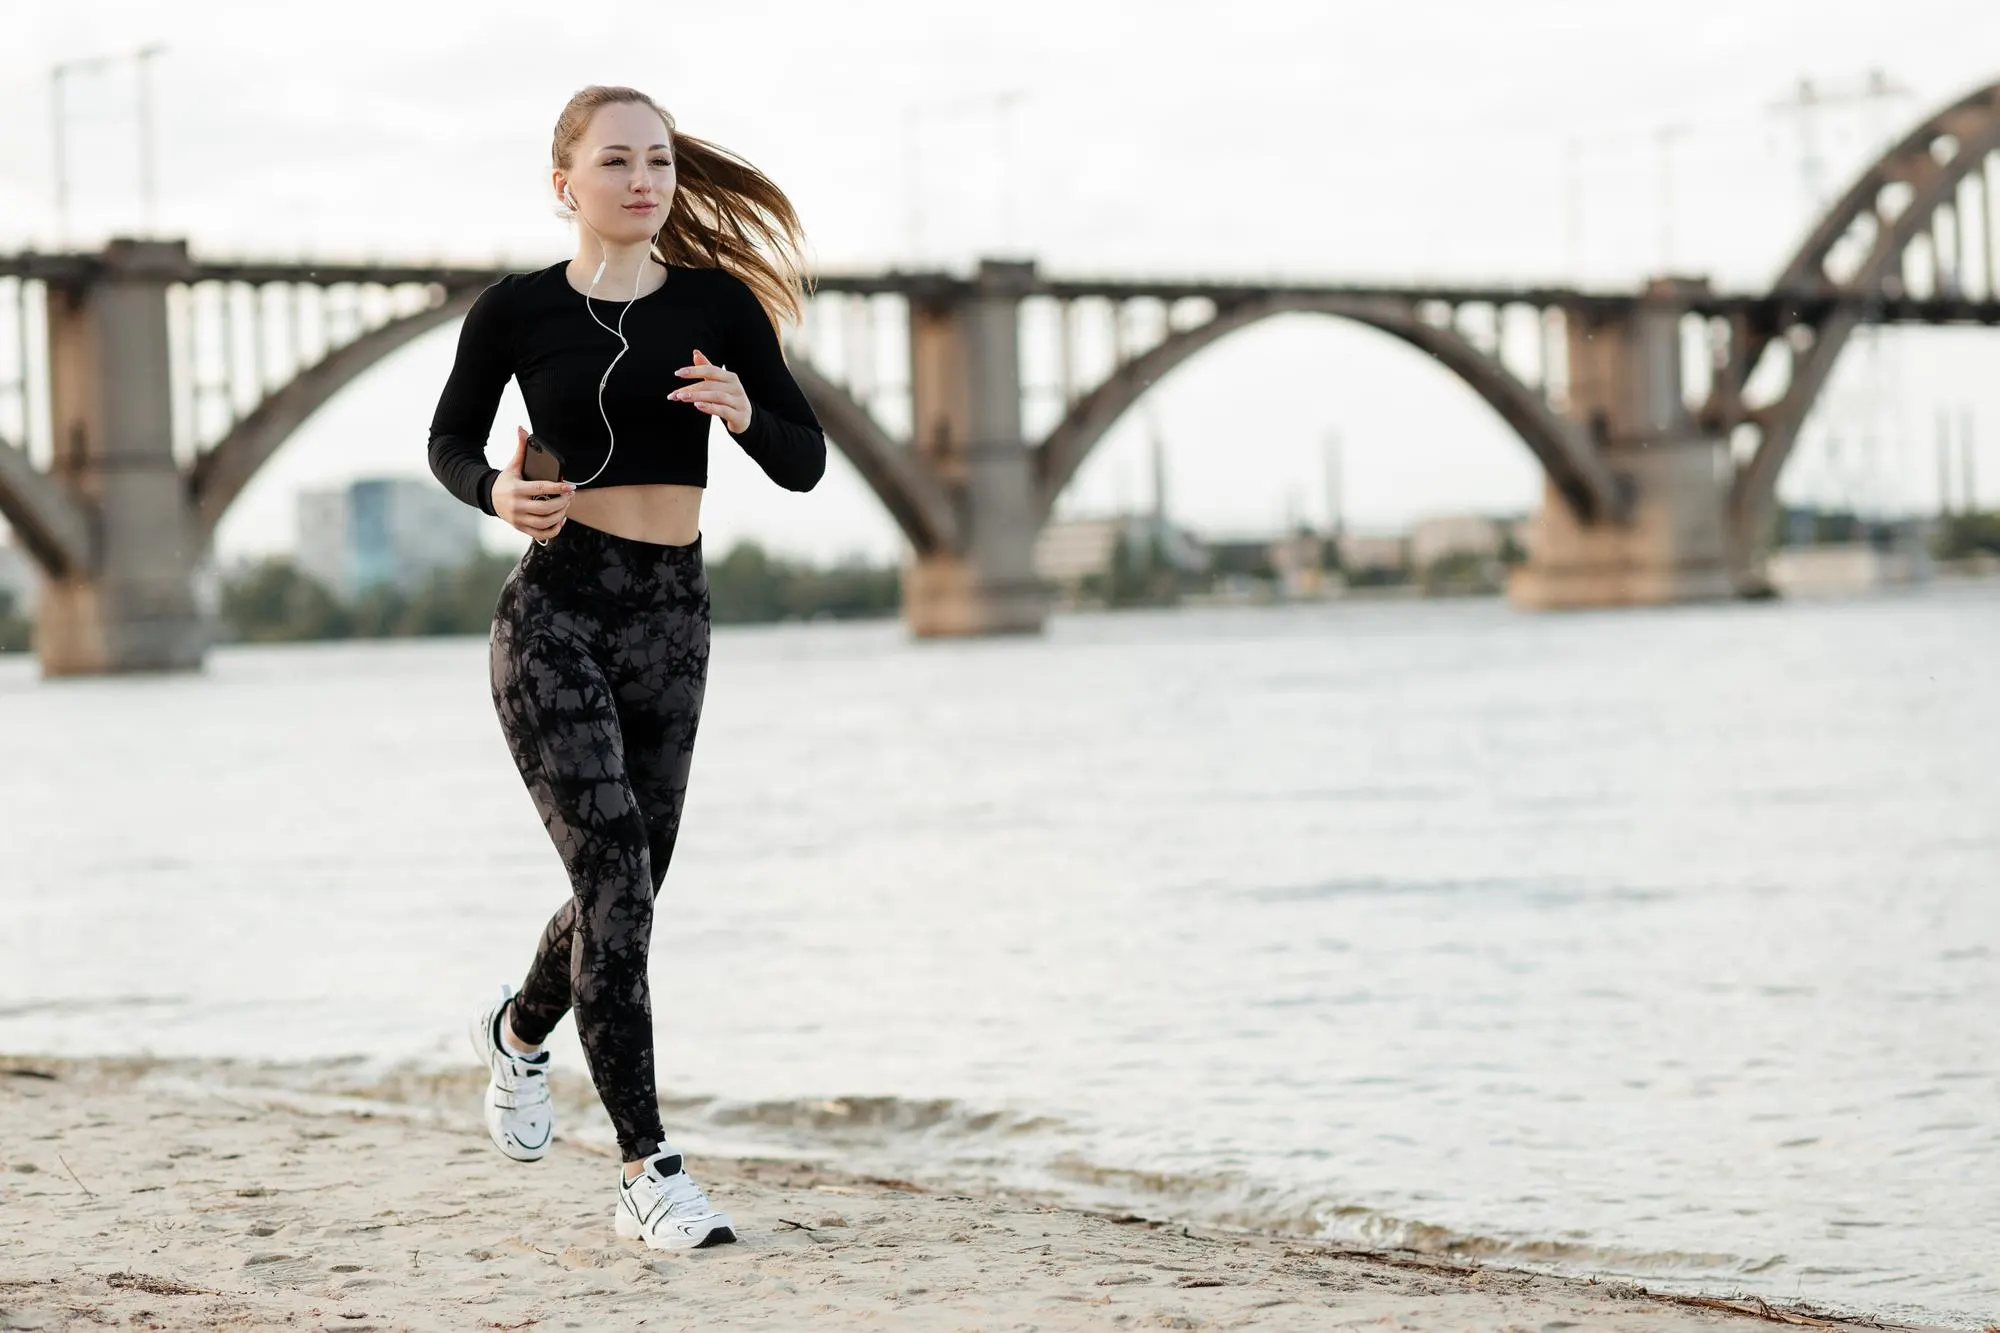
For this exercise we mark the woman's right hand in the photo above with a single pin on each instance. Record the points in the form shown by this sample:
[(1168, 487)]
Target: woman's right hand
[(537, 508)]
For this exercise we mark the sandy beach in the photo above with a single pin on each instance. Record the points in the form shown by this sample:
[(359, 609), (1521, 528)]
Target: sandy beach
[(185, 1195)]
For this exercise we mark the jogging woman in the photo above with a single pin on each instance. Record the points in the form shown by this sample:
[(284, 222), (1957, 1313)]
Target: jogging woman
[(599, 649)]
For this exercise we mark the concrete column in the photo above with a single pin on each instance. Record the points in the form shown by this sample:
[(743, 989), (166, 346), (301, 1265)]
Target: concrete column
[(1625, 392), (111, 407), (1672, 548), (965, 389)]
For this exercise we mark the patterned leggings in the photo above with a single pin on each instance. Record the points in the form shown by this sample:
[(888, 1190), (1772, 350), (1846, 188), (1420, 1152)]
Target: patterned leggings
[(599, 658)]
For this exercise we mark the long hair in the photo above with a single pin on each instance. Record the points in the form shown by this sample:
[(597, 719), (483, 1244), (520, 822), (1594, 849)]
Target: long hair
[(726, 214)]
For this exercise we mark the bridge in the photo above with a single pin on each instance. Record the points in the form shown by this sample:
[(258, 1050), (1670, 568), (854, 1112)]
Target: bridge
[(1661, 469)]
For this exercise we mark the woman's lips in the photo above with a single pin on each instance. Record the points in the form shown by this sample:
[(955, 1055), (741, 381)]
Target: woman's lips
[(640, 208)]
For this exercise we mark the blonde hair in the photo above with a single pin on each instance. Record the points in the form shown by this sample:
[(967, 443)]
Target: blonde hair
[(725, 214)]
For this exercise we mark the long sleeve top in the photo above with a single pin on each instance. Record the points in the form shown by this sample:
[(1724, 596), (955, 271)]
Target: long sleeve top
[(539, 330)]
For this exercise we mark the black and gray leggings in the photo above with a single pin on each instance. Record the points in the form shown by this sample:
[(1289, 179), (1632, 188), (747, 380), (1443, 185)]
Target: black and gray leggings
[(599, 657)]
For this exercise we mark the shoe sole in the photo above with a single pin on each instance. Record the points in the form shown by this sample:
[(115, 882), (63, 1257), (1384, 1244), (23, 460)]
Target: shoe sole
[(627, 1227), (477, 1033)]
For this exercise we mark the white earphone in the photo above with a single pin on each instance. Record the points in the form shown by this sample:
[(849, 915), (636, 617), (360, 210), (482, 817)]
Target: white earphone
[(611, 438)]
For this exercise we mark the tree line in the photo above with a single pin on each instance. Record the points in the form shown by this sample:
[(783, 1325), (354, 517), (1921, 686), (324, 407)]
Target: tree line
[(274, 601)]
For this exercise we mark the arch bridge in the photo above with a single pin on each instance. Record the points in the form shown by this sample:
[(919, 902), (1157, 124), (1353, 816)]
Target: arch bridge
[(168, 381)]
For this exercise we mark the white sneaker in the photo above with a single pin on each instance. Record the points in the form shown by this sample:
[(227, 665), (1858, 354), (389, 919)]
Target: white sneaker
[(518, 1115), (667, 1209)]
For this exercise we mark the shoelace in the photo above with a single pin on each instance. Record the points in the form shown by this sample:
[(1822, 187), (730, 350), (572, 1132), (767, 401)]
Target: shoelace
[(528, 1082), (681, 1190), (677, 1195)]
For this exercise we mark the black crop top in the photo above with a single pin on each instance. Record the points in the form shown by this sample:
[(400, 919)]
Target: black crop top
[(534, 327)]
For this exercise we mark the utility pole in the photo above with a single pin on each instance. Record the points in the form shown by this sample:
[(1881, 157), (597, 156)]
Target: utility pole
[(1968, 478), (62, 184), (1331, 460), (1573, 210), (148, 185), (914, 116), (149, 193), (913, 177), (1003, 124), (57, 73), (1809, 102), (1330, 553), (1666, 135), (1944, 463), (1159, 477)]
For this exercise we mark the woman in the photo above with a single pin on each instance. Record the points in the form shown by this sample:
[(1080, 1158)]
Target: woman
[(599, 650)]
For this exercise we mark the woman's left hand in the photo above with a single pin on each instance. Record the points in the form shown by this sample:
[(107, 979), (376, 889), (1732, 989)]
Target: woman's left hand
[(717, 392)]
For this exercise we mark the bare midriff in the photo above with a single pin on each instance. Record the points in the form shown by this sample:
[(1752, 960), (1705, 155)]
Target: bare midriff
[(667, 515)]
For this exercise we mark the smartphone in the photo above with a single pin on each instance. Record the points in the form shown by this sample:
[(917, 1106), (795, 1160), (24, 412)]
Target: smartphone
[(541, 462)]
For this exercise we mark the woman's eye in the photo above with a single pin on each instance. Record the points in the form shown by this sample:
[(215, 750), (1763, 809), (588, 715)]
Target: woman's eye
[(661, 162)]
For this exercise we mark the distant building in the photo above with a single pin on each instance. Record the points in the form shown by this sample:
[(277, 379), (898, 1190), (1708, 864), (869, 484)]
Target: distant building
[(1358, 553), (1299, 561), (1288, 566), (1240, 556), (1846, 568), (1435, 539), (1069, 551), (383, 531)]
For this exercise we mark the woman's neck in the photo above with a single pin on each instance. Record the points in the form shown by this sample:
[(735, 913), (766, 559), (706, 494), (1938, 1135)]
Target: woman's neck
[(625, 267)]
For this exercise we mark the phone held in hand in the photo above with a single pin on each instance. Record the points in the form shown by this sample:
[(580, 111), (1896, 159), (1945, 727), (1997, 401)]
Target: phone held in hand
[(541, 462)]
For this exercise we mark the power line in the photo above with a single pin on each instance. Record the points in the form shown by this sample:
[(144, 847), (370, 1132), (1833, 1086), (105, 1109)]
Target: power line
[(148, 176), (1872, 377), (1807, 104), (1001, 106)]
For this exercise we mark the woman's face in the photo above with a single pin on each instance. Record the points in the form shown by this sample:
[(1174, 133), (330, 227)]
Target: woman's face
[(622, 173)]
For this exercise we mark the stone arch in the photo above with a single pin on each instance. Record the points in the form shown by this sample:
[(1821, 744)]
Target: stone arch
[(1585, 483), (222, 471), (919, 505), (1929, 163), (52, 528)]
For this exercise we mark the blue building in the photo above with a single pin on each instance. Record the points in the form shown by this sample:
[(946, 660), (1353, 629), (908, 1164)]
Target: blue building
[(383, 531)]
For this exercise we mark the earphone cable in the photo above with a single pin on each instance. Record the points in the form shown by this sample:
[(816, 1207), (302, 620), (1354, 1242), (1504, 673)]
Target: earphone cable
[(603, 259)]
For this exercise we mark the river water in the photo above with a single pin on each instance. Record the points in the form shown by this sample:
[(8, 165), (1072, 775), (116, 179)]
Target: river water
[(1652, 943)]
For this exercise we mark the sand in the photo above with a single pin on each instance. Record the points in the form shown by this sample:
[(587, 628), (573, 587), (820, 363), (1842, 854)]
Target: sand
[(168, 1195)]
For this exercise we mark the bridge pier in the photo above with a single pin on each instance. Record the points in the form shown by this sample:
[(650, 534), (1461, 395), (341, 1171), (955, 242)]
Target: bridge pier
[(1625, 391), (1671, 547), (129, 604), (965, 392)]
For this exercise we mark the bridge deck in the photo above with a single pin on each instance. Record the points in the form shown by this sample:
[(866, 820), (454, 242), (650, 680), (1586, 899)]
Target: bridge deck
[(71, 269)]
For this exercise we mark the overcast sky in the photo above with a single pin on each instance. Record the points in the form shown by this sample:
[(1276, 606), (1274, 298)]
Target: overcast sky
[(1369, 140)]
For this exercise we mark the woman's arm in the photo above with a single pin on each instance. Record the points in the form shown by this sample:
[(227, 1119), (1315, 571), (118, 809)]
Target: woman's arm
[(464, 416), (783, 436)]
